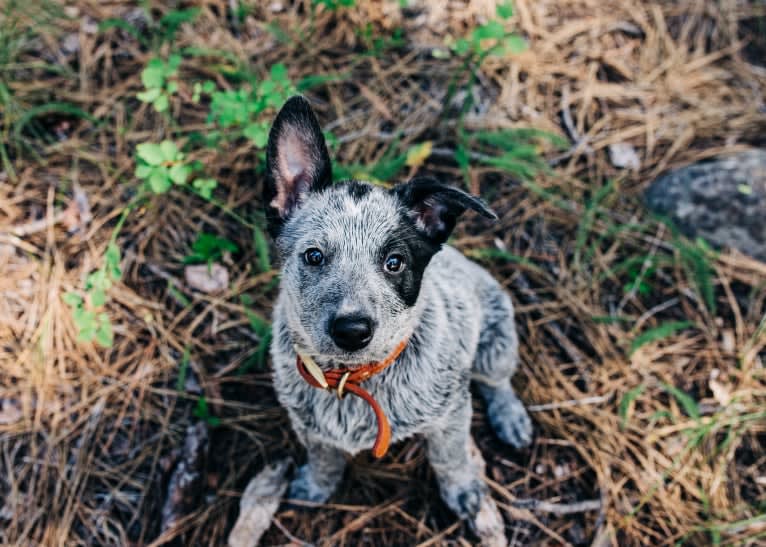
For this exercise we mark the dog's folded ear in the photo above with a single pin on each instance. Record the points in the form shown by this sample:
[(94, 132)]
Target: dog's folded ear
[(297, 161), (435, 207)]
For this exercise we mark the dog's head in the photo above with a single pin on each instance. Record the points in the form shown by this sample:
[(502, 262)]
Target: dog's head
[(353, 254)]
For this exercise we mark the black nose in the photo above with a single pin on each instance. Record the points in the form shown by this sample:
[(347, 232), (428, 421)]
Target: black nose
[(351, 332)]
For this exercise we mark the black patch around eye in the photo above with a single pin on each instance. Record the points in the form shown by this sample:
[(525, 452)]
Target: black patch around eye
[(417, 251)]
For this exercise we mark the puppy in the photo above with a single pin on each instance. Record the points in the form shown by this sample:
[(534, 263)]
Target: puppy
[(379, 327)]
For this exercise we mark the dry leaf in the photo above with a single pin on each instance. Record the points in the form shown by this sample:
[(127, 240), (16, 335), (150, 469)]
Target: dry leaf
[(721, 392), (10, 411), (208, 279), (419, 153), (258, 504)]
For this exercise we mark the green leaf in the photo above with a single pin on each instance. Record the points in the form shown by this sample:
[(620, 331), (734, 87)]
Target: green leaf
[(182, 371), (504, 11), (626, 401), (209, 247), (179, 173), (658, 333), (515, 44), (97, 297), (169, 150), (461, 46), (151, 153), (150, 95), (174, 61), (261, 244), (143, 171), (205, 187), (153, 76), (112, 261), (278, 72), (688, 403), (461, 157), (159, 181), (258, 133), (161, 103), (104, 335), (172, 87), (72, 299), (208, 86), (490, 30)]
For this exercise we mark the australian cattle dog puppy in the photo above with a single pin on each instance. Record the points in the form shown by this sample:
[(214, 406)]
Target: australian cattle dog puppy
[(379, 326)]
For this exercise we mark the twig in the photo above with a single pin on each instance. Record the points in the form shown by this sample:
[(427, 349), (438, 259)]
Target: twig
[(654, 311), (557, 508), (595, 400), (35, 226), (276, 522)]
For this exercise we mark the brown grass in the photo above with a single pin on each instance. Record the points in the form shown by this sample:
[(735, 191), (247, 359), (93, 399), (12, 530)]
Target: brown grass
[(88, 436)]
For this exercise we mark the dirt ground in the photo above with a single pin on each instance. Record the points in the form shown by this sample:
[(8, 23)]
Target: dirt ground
[(642, 352)]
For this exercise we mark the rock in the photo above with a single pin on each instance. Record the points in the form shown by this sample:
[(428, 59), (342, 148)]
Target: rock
[(722, 201), (208, 279), (623, 156)]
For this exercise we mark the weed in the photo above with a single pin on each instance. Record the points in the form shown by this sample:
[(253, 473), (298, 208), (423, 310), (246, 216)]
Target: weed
[(262, 328), (161, 166), (333, 5), (659, 332), (93, 325), (244, 108), (159, 79), (202, 411), (208, 248)]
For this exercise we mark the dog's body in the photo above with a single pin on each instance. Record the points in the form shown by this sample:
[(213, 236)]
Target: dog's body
[(364, 269)]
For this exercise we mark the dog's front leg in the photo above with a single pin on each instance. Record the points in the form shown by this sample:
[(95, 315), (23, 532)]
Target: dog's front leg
[(318, 478), (459, 477)]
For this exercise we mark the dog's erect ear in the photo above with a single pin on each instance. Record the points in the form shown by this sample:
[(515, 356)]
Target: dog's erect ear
[(435, 207), (297, 161)]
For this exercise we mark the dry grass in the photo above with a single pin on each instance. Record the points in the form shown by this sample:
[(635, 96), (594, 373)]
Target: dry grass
[(88, 436)]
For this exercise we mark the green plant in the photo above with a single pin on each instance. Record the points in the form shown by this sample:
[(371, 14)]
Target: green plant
[(159, 79), (159, 31), (93, 325), (202, 411), (491, 38), (208, 248), (695, 257), (659, 332), (161, 166), (515, 151), (262, 328), (243, 108), (333, 5)]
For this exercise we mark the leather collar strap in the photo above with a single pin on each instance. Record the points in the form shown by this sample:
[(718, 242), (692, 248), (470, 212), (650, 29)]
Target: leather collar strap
[(340, 381)]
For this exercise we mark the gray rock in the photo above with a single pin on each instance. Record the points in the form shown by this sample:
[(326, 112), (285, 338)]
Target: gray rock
[(722, 201)]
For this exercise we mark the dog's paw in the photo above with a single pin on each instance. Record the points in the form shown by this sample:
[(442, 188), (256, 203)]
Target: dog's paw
[(465, 500), (509, 419), (304, 488)]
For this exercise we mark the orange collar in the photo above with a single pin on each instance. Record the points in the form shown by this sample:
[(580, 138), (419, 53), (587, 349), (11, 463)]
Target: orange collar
[(339, 381)]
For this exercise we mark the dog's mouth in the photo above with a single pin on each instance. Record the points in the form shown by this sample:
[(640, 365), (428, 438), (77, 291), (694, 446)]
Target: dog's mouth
[(345, 360)]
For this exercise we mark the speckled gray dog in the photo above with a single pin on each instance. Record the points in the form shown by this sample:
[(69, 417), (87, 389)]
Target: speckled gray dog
[(364, 268)]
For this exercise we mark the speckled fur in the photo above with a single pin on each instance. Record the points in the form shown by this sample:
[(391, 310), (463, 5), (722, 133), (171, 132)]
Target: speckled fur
[(460, 325)]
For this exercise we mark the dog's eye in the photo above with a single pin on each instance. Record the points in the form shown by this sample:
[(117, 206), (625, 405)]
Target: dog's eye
[(394, 263), (313, 257)]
